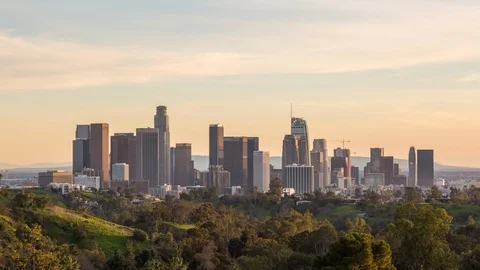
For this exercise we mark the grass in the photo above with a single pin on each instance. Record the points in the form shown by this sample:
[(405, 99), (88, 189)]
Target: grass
[(461, 212), (184, 227), (341, 211), (64, 226)]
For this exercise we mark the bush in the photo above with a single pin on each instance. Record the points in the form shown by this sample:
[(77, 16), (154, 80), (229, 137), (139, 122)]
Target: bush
[(140, 235)]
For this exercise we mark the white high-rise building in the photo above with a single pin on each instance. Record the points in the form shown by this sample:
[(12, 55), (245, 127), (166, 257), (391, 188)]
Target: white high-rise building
[(261, 170), (299, 177), (120, 172)]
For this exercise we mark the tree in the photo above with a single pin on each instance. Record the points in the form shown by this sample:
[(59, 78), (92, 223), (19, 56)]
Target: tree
[(276, 187), (357, 251), (140, 235), (435, 193), (417, 237), (358, 225), (413, 195), (316, 242), (471, 260), (206, 259)]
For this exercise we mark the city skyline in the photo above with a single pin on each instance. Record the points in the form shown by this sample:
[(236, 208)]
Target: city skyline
[(356, 70)]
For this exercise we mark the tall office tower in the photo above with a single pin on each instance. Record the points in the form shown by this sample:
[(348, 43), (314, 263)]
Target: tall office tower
[(98, 146), (375, 156), (412, 167), (425, 168), (299, 177), (236, 160), (261, 170), (120, 172), (344, 153), (290, 153), (81, 149), (316, 158), (173, 177), (123, 150), (387, 168), (216, 154), (355, 175), (148, 156), (162, 124), (81, 155), (339, 163), (183, 164), (252, 146), (299, 127), (320, 145), (396, 170), (219, 178), (82, 132)]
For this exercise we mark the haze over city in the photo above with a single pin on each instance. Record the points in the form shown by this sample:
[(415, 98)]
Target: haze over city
[(386, 74)]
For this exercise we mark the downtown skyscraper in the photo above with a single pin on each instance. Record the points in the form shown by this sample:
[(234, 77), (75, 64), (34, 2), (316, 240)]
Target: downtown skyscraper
[(162, 123), (98, 148), (123, 150), (412, 167), (81, 149), (299, 128), (425, 168), (216, 149), (295, 148), (147, 156), (320, 145), (236, 160)]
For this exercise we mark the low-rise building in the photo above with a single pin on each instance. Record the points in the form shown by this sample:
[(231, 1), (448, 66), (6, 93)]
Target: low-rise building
[(57, 176), (88, 181)]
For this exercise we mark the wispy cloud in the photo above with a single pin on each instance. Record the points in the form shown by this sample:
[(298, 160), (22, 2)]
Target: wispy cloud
[(239, 45), (473, 77)]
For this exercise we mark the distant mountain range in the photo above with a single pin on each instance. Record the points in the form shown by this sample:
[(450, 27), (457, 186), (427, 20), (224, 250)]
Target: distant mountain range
[(201, 163)]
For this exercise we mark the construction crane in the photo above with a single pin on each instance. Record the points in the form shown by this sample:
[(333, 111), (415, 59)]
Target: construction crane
[(343, 143)]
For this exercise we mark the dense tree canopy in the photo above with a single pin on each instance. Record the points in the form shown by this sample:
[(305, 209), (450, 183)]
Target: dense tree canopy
[(262, 231)]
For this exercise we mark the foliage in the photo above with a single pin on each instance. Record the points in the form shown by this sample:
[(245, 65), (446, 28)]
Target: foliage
[(22, 247), (418, 238), (140, 236), (413, 195), (356, 251)]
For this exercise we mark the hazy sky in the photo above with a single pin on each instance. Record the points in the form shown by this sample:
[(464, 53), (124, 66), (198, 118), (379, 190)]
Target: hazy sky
[(376, 72)]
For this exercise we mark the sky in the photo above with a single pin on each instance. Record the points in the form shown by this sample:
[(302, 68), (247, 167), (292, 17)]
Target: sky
[(379, 73)]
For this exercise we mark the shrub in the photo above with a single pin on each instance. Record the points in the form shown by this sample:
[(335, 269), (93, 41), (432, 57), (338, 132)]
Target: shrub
[(140, 235)]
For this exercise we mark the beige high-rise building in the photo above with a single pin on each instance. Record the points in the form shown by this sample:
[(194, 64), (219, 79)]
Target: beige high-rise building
[(183, 164), (261, 170), (99, 150), (219, 178)]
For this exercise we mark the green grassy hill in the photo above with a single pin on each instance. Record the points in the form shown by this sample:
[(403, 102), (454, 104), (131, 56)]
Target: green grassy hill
[(84, 230)]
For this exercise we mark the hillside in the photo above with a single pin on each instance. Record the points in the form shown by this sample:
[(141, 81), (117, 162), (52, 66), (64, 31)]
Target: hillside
[(84, 230), (71, 227)]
